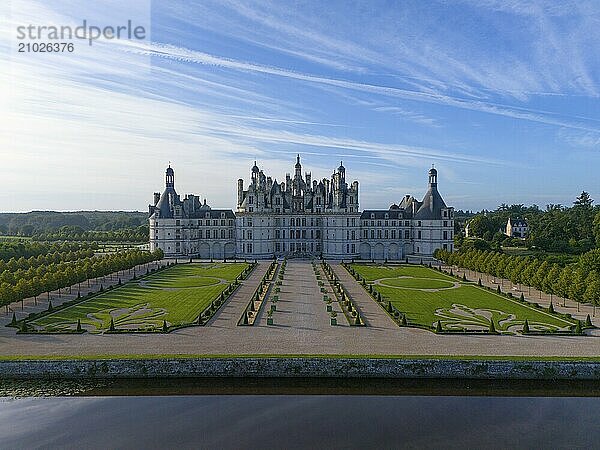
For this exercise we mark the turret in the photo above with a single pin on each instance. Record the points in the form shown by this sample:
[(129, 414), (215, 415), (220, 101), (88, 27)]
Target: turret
[(156, 197)]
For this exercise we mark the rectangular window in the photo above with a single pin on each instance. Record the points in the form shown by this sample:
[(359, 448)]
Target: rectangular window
[(419, 235), (406, 234), (445, 235)]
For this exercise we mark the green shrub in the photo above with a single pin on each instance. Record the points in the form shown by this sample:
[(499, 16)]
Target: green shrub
[(112, 325), (578, 329), (499, 290), (588, 321), (13, 322), (50, 307), (526, 327), (165, 327), (24, 327), (200, 321), (79, 329), (438, 327), (551, 308), (492, 328), (479, 282), (522, 297), (404, 321), (389, 307)]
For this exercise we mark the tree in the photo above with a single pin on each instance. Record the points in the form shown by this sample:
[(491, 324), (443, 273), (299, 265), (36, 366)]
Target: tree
[(592, 292), (590, 261), (578, 286), (563, 285), (551, 280)]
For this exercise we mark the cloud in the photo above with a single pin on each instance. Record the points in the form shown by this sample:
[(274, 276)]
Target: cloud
[(192, 56)]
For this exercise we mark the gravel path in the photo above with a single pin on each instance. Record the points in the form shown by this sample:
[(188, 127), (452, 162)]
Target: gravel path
[(371, 312), (230, 313)]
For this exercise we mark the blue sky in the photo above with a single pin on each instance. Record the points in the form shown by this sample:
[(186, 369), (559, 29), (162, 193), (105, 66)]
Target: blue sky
[(502, 96)]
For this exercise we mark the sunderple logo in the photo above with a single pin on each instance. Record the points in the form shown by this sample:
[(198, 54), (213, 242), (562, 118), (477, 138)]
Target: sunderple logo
[(50, 34)]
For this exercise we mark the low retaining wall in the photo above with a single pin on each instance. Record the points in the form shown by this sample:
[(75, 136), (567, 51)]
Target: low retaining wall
[(299, 367)]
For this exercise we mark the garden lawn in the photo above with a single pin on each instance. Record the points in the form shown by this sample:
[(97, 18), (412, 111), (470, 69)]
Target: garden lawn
[(466, 307), (178, 295), (372, 272)]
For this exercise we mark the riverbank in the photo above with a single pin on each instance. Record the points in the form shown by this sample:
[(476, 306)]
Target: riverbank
[(267, 366)]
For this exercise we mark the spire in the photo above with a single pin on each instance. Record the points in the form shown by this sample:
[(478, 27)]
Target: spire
[(432, 177), (170, 177), (298, 171)]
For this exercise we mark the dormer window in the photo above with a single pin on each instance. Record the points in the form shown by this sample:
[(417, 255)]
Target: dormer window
[(372, 215)]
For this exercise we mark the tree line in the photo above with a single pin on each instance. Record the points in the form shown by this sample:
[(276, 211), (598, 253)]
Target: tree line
[(56, 276), (38, 222), (27, 249), (558, 228), (579, 282), (68, 233)]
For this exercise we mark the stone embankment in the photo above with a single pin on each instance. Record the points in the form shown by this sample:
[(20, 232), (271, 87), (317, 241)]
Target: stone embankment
[(299, 367)]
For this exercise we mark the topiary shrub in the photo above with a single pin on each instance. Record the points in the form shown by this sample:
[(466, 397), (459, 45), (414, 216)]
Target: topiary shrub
[(492, 328), (498, 290), (522, 297), (438, 327), (551, 308), (389, 307), (50, 307), (165, 327), (24, 327), (479, 282), (404, 321), (245, 322), (451, 273), (13, 322), (526, 327), (588, 321), (112, 325), (357, 320), (200, 321)]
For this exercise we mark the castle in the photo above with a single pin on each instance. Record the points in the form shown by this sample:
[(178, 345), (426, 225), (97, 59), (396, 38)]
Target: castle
[(299, 216)]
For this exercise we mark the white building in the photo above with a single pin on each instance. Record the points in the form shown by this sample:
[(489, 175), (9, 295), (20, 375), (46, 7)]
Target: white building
[(300, 216), (518, 228)]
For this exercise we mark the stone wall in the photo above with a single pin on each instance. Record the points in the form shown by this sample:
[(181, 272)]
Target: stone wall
[(299, 367)]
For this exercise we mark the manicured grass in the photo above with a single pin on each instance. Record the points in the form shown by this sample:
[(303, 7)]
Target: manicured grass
[(178, 295), (467, 307), (372, 272), (417, 283)]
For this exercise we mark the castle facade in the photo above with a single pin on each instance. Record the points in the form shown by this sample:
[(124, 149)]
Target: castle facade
[(299, 216)]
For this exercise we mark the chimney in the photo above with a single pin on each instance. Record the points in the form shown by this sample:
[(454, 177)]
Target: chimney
[(156, 197)]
